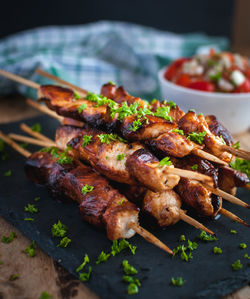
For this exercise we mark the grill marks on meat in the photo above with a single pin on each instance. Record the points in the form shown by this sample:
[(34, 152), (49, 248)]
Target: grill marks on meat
[(101, 207)]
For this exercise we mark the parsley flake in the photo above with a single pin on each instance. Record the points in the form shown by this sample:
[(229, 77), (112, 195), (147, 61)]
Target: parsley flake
[(7, 173), (106, 138), (81, 108), (178, 282), (236, 145), (87, 188), (128, 269), (103, 257), (194, 167), (135, 125), (111, 82), (9, 239), (64, 242), (59, 229), (37, 198), (182, 238), (237, 265), (14, 277), (180, 132), (132, 289), (29, 219), (185, 252), (30, 209), (120, 202), (131, 279), (197, 137), (241, 165), (243, 245), (86, 140), (45, 295), (246, 256), (85, 261), (233, 231), (120, 245), (206, 237), (120, 157), (165, 161), (217, 250), (163, 112), (30, 250), (85, 276), (36, 128)]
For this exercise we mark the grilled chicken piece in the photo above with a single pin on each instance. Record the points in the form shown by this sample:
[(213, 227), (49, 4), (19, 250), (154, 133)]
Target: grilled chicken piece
[(103, 206), (143, 165), (218, 129)]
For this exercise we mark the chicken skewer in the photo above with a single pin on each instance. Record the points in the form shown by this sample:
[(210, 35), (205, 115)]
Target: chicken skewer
[(124, 96), (63, 101), (111, 209), (164, 206)]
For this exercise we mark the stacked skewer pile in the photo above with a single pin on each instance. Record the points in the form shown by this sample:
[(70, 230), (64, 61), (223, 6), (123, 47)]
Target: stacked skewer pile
[(163, 156)]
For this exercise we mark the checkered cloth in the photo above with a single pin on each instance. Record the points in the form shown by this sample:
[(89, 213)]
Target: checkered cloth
[(90, 55)]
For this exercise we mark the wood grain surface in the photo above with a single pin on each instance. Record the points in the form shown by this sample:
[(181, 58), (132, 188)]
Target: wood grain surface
[(40, 273)]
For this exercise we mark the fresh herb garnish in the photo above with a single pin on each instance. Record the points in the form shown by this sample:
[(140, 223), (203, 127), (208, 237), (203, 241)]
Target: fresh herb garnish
[(120, 157), (36, 128), (236, 145), (85, 261), (120, 202), (178, 282), (243, 245), (246, 256), (124, 110), (217, 250), (131, 279), (237, 265), (103, 257), (216, 77), (85, 276), (233, 231), (180, 132), (99, 100), (1, 262), (82, 107), (45, 295), (111, 82), (9, 239), (87, 188), (59, 229), (120, 245), (86, 140), (132, 289), (29, 219), (165, 161), (30, 250), (222, 140), (206, 237), (163, 112), (37, 198), (65, 158), (182, 238), (197, 137), (64, 242), (106, 138), (191, 110), (241, 165), (128, 269), (24, 145), (135, 125), (14, 277), (30, 209), (194, 167), (7, 173), (77, 96), (185, 252)]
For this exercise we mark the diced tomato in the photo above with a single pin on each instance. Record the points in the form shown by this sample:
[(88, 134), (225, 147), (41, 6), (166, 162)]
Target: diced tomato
[(183, 80), (173, 68), (244, 87), (202, 85)]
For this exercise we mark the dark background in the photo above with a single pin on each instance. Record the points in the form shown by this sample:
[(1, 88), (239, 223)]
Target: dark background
[(213, 17)]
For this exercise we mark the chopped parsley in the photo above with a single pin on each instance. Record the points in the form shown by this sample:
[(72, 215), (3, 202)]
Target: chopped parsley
[(197, 137), (182, 238), (9, 239), (120, 245), (165, 161), (81, 108), (222, 140), (217, 250), (178, 282), (77, 96), (85, 261), (163, 112), (59, 229), (37, 198), (14, 277), (30, 250), (65, 158), (124, 110), (106, 138), (172, 104), (111, 82), (194, 167), (191, 110), (180, 132), (99, 100), (120, 157), (128, 269), (7, 173), (206, 237), (243, 245), (185, 252), (120, 202), (30, 209), (45, 295), (85, 276), (131, 279), (237, 265), (236, 145), (29, 219), (135, 125), (64, 242), (54, 151), (87, 188), (246, 256), (241, 165), (233, 231), (103, 257), (36, 128), (132, 289), (86, 140)]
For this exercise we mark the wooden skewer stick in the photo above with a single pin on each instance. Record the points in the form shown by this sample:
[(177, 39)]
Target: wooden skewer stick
[(31, 140), (19, 79), (149, 237), (226, 196), (81, 91), (236, 152), (208, 156), (192, 175), (136, 227), (14, 145), (37, 135), (194, 222), (44, 109), (232, 216)]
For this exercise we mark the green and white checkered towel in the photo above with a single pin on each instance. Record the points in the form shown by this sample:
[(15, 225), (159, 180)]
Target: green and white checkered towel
[(90, 55)]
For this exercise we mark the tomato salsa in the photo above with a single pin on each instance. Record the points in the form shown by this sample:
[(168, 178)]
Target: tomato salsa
[(213, 72)]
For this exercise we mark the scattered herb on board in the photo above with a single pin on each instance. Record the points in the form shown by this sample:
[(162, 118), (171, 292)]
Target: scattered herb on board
[(132, 288), (185, 252), (30, 250), (128, 269), (103, 257), (30, 208), (29, 219), (37, 198), (233, 231), (14, 277), (7, 173), (45, 295), (243, 245), (36, 128), (58, 229), (85, 276), (178, 282), (64, 242), (237, 265), (182, 238), (9, 239), (85, 261), (120, 245), (217, 250), (206, 237), (246, 256)]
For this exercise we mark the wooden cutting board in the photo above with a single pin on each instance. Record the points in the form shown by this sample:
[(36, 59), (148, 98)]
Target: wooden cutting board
[(41, 273)]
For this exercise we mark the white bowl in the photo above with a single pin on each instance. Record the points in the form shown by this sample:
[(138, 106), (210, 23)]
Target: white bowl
[(232, 110)]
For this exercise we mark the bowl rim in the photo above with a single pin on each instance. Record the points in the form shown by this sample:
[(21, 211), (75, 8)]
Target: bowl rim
[(199, 92)]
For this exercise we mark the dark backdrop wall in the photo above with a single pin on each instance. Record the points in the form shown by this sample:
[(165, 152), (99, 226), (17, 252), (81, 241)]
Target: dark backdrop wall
[(211, 16)]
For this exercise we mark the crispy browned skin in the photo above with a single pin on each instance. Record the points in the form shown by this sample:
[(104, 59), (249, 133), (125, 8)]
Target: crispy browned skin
[(103, 206), (103, 157)]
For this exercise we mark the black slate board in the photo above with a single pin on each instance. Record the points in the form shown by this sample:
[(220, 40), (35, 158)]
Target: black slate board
[(207, 275)]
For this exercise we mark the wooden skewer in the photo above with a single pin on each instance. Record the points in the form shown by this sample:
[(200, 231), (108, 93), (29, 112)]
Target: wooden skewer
[(149, 237), (192, 175), (236, 152), (31, 140), (136, 227), (81, 91), (44, 109), (14, 145), (226, 196), (37, 135), (194, 222), (208, 156), (232, 216)]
